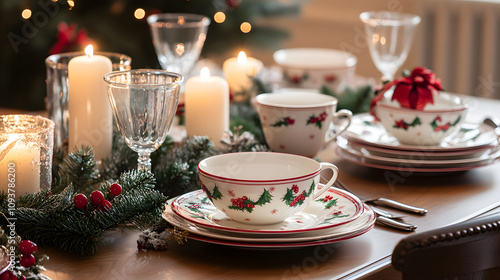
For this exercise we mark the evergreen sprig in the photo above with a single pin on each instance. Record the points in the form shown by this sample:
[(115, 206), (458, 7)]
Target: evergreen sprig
[(357, 100), (78, 168), (52, 219)]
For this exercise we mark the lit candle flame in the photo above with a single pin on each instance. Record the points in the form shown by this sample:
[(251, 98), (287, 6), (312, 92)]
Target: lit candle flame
[(242, 57), (205, 73), (89, 50)]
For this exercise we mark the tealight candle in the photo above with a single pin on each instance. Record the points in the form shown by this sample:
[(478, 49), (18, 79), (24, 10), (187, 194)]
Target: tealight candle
[(207, 106), (238, 72), (25, 154), (20, 166), (90, 116)]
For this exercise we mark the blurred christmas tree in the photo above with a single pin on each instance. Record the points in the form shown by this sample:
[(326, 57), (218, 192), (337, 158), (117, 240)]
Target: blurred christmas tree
[(33, 29)]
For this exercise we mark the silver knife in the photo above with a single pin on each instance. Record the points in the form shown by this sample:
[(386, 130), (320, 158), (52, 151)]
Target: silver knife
[(384, 201), (395, 224), (398, 205)]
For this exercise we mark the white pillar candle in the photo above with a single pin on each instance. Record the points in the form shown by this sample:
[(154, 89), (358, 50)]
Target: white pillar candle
[(90, 116), (239, 70), (19, 167), (207, 106)]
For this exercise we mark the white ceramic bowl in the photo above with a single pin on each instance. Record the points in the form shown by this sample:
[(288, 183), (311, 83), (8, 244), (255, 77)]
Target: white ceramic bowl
[(262, 187), (316, 67), (428, 127)]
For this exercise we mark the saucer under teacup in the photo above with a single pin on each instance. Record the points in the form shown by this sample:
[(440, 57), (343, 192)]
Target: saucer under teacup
[(362, 223), (333, 208), (368, 144), (365, 129)]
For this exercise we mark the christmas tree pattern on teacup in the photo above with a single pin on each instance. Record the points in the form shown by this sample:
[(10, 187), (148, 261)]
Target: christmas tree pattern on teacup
[(215, 194), (317, 121), (293, 199)]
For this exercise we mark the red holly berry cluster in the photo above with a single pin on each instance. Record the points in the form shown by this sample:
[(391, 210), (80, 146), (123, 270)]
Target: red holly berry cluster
[(299, 199), (296, 79), (321, 118), (242, 202), (97, 199), (289, 121), (401, 124), (295, 188), (330, 78), (27, 249), (9, 275), (327, 198)]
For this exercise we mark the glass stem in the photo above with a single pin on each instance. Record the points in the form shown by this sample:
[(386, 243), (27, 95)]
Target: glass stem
[(144, 162)]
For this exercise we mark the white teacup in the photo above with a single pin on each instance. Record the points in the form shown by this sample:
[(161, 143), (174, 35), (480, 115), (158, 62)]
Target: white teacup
[(298, 122), (262, 187)]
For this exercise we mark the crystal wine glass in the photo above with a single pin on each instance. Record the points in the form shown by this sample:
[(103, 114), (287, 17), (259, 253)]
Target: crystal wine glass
[(389, 37), (144, 104), (178, 39)]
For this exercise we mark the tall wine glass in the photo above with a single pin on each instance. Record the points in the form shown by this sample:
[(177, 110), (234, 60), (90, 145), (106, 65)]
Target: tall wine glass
[(178, 39), (389, 37), (144, 104)]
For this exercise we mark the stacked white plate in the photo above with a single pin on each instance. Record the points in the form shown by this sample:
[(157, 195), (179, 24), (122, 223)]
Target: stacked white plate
[(367, 143), (333, 217)]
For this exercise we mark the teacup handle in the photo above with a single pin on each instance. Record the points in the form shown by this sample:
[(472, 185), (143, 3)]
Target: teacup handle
[(332, 134), (324, 166)]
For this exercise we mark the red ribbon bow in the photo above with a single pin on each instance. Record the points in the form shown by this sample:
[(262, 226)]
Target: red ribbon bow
[(69, 38), (414, 91)]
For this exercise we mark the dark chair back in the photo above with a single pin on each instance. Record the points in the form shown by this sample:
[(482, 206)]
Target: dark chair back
[(468, 250)]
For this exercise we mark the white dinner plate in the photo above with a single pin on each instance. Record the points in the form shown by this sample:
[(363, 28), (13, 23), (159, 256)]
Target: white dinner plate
[(290, 245), (405, 167), (363, 222), (484, 158), (366, 130), (333, 208), (421, 155)]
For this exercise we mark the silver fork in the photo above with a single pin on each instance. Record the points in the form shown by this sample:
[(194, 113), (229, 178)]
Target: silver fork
[(384, 201), (385, 218), (378, 211)]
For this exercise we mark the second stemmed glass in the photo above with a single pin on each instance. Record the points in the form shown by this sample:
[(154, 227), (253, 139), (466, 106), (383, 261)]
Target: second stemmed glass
[(178, 39), (389, 37), (144, 104)]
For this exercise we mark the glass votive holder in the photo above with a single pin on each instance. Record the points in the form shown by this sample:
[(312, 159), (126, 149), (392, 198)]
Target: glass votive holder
[(58, 94), (26, 147)]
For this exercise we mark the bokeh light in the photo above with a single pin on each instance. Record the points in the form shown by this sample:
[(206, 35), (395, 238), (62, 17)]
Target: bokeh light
[(245, 27)]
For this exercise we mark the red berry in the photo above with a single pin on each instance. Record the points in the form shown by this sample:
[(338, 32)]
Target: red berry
[(27, 260), (6, 275), (27, 247), (97, 198), (80, 201), (105, 206), (115, 189)]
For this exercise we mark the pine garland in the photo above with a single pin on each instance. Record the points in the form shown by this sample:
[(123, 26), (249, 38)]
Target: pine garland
[(52, 219)]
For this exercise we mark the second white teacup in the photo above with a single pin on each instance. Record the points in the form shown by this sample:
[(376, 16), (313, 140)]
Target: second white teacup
[(298, 122)]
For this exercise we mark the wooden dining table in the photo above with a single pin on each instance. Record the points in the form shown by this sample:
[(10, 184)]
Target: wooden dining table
[(450, 198)]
